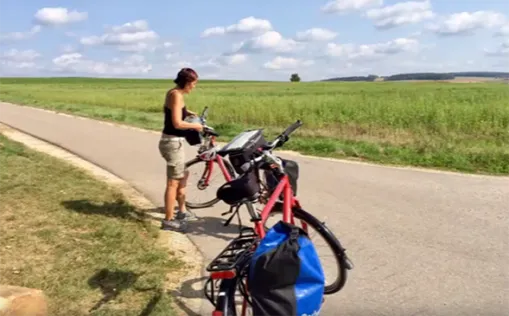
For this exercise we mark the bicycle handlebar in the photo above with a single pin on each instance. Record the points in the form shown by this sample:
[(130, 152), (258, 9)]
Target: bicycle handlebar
[(266, 157), (292, 128), (284, 136), (209, 130), (204, 114), (203, 119), (266, 154)]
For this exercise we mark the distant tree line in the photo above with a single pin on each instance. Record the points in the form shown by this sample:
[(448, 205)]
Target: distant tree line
[(355, 78), (483, 74), (421, 76), (425, 76)]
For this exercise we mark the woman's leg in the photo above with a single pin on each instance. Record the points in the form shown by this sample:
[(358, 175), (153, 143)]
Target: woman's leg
[(173, 152), (170, 198), (183, 213), (181, 192)]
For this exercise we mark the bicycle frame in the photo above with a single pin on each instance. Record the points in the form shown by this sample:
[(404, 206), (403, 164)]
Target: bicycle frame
[(210, 156), (289, 202), (207, 152)]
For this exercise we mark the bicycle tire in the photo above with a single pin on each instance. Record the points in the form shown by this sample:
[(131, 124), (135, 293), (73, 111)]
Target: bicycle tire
[(333, 242), (226, 297), (212, 202)]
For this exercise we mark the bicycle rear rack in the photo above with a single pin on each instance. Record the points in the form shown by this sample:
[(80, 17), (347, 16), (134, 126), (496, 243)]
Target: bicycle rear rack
[(225, 265), (228, 258)]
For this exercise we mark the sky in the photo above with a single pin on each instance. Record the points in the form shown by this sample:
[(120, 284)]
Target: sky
[(252, 40)]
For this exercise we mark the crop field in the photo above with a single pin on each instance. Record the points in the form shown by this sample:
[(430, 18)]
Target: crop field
[(430, 124)]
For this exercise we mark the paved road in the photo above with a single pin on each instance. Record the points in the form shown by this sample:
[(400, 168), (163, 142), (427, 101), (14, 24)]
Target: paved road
[(423, 243)]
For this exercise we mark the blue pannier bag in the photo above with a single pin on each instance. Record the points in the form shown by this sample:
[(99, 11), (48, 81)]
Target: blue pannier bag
[(285, 275)]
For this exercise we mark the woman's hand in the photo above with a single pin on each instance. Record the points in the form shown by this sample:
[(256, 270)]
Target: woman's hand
[(198, 127)]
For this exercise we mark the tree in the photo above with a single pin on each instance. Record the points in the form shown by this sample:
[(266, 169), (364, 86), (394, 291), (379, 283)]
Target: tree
[(295, 78)]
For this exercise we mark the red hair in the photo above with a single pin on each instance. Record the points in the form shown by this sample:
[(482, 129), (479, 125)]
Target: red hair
[(185, 76)]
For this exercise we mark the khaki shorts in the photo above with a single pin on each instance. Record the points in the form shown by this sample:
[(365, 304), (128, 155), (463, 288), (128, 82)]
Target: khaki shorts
[(173, 151)]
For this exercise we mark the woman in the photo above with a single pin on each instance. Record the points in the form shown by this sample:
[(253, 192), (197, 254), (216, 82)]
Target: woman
[(171, 147)]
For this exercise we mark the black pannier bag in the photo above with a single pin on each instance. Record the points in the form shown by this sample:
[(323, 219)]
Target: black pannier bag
[(193, 137), (243, 148), (292, 170), (246, 186), (285, 275)]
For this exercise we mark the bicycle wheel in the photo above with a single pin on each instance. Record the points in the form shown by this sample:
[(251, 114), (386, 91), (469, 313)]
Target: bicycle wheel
[(341, 260), (226, 297), (202, 175), (232, 297)]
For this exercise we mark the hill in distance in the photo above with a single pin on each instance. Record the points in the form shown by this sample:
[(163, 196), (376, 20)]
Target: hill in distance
[(427, 76)]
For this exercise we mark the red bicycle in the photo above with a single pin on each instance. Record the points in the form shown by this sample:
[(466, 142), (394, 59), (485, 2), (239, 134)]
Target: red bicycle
[(249, 153), (209, 155)]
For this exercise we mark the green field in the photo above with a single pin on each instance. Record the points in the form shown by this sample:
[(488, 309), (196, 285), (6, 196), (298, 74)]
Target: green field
[(442, 125)]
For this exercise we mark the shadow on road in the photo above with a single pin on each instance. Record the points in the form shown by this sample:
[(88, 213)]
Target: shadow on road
[(190, 289), (213, 227)]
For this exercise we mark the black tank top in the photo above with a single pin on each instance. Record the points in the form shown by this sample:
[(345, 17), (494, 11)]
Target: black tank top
[(169, 129)]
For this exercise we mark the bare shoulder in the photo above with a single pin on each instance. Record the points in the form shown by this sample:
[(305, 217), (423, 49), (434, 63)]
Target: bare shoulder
[(173, 97)]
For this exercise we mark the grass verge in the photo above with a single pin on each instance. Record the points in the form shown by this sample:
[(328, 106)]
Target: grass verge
[(75, 238), (463, 127)]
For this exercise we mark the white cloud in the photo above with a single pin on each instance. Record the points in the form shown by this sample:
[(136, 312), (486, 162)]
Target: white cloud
[(91, 40), (400, 13), (16, 36), (372, 51), (222, 61), (503, 31), (231, 60), (343, 6), (212, 31), (59, 16), (167, 44), (67, 48), (20, 60), (133, 36), (182, 64), (204, 64), (467, 22), (77, 63), (17, 55), (270, 41), (502, 50), (67, 59), (131, 27), (315, 34), (245, 25), (285, 63)]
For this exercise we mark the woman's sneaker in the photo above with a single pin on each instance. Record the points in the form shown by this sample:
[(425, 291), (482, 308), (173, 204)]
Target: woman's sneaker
[(185, 216), (173, 225)]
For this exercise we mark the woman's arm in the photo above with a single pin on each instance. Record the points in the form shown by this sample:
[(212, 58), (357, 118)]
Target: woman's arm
[(191, 113), (175, 103)]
